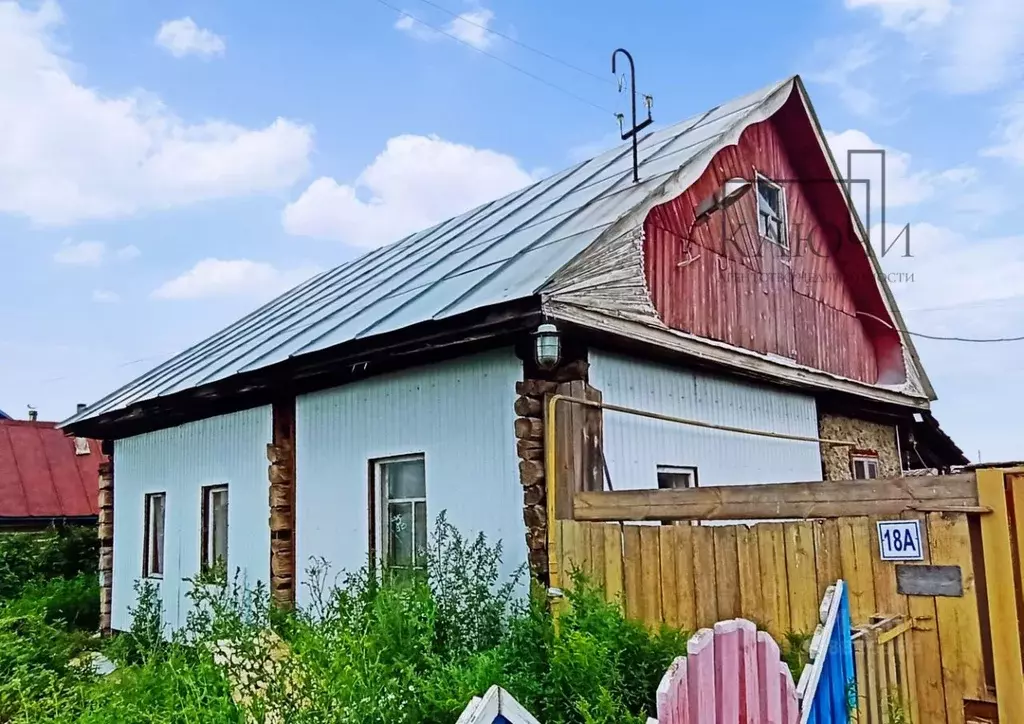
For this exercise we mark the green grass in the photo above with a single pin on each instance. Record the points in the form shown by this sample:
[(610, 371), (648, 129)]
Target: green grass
[(408, 651)]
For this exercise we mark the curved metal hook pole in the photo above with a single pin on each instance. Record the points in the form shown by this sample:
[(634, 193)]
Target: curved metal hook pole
[(634, 131)]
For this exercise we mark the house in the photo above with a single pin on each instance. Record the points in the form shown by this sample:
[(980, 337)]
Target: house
[(46, 478), (4, 415), (731, 286)]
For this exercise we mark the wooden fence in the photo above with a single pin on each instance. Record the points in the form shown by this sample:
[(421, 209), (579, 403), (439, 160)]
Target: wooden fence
[(690, 576), (730, 673), (883, 654)]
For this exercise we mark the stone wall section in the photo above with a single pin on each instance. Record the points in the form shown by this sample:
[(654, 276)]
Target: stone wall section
[(869, 436)]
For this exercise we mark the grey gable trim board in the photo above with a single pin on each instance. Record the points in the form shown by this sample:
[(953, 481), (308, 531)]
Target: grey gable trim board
[(529, 242)]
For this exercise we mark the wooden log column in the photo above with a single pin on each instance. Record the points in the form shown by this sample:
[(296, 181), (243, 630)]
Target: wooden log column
[(532, 391), (281, 474), (106, 536)]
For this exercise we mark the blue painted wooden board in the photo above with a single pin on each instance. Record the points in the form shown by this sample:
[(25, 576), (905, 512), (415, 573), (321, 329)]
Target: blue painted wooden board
[(836, 695)]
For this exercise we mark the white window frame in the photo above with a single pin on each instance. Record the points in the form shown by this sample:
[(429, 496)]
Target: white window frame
[(149, 531), (383, 520), (206, 514), (689, 470), (783, 240), (865, 459)]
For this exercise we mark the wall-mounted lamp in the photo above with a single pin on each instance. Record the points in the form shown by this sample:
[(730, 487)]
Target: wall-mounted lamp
[(730, 192), (547, 346)]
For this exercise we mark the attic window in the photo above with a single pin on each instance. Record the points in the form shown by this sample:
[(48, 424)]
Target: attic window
[(771, 212), (82, 446), (864, 465)]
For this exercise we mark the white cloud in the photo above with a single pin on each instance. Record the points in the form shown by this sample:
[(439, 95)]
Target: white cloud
[(81, 253), (232, 277), (903, 186), (845, 73), (974, 45), (127, 253), (414, 183), (105, 296), (952, 270), (68, 152), (470, 27), (183, 37), (906, 14), (1010, 133)]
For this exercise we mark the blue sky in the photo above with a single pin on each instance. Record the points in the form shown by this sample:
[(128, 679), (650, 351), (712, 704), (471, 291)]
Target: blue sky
[(165, 167)]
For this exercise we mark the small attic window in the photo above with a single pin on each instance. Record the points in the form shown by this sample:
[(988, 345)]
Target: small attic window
[(771, 212), (82, 446)]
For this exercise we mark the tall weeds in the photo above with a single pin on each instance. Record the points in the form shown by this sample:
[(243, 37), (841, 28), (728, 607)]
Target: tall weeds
[(409, 649)]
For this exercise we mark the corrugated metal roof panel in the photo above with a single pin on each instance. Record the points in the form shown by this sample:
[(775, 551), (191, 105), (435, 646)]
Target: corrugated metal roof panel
[(41, 476), (502, 251)]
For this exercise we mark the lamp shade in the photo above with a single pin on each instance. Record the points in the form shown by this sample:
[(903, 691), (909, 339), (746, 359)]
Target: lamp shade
[(547, 346)]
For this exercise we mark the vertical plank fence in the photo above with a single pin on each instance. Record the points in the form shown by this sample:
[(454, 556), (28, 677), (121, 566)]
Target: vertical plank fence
[(690, 576)]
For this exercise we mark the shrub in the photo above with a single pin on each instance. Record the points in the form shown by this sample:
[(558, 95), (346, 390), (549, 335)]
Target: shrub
[(27, 558), (74, 603), (409, 649)]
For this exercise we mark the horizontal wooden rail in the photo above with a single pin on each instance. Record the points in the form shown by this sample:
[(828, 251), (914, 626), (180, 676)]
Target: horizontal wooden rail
[(892, 496)]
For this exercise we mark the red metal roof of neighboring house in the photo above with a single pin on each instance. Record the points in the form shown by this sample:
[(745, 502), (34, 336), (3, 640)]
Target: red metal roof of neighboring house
[(41, 475)]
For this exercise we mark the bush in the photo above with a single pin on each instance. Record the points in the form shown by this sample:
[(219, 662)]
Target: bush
[(27, 558), (74, 603), (411, 649)]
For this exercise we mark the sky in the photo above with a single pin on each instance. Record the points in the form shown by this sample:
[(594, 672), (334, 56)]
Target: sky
[(166, 167)]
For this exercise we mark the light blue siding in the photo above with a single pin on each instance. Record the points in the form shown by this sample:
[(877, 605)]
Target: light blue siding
[(179, 461), (635, 446), (458, 414)]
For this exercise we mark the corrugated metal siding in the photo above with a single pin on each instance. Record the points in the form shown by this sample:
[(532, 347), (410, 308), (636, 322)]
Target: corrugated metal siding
[(736, 289), (502, 251), (459, 414), (179, 461), (635, 446)]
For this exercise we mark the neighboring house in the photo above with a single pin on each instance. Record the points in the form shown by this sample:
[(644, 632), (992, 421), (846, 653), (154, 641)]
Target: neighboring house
[(405, 382), (46, 478), (4, 415)]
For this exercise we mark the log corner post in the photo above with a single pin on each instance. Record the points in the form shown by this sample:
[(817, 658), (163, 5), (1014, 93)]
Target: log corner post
[(105, 532), (281, 475), (532, 393)]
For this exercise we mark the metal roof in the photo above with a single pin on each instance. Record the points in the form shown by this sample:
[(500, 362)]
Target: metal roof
[(499, 252), (42, 475)]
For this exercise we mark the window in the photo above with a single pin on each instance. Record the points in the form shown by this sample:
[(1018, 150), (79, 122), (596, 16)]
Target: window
[(673, 476), (153, 543), (864, 466), (401, 485), (215, 530), (771, 212)]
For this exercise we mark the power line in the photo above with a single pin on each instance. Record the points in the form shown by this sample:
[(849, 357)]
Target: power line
[(942, 338), (501, 60), (521, 44)]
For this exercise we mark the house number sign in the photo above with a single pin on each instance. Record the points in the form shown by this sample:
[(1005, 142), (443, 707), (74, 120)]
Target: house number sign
[(900, 540)]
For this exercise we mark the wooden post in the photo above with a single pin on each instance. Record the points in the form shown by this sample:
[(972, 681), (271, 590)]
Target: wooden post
[(281, 474), (1002, 595), (106, 536)]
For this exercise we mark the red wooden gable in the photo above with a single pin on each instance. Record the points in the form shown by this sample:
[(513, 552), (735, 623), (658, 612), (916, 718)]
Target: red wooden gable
[(819, 304)]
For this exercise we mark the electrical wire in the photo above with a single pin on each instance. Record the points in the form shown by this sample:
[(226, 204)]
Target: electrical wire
[(520, 43), (941, 338), (501, 60), (922, 335)]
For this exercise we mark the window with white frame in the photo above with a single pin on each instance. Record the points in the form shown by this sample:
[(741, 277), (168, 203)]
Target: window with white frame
[(672, 477), (215, 530), (401, 487), (771, 211), (864, 466), (153, 543)]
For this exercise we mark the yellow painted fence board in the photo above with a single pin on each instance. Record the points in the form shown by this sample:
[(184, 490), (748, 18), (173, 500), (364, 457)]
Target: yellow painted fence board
[(1002, 596)]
